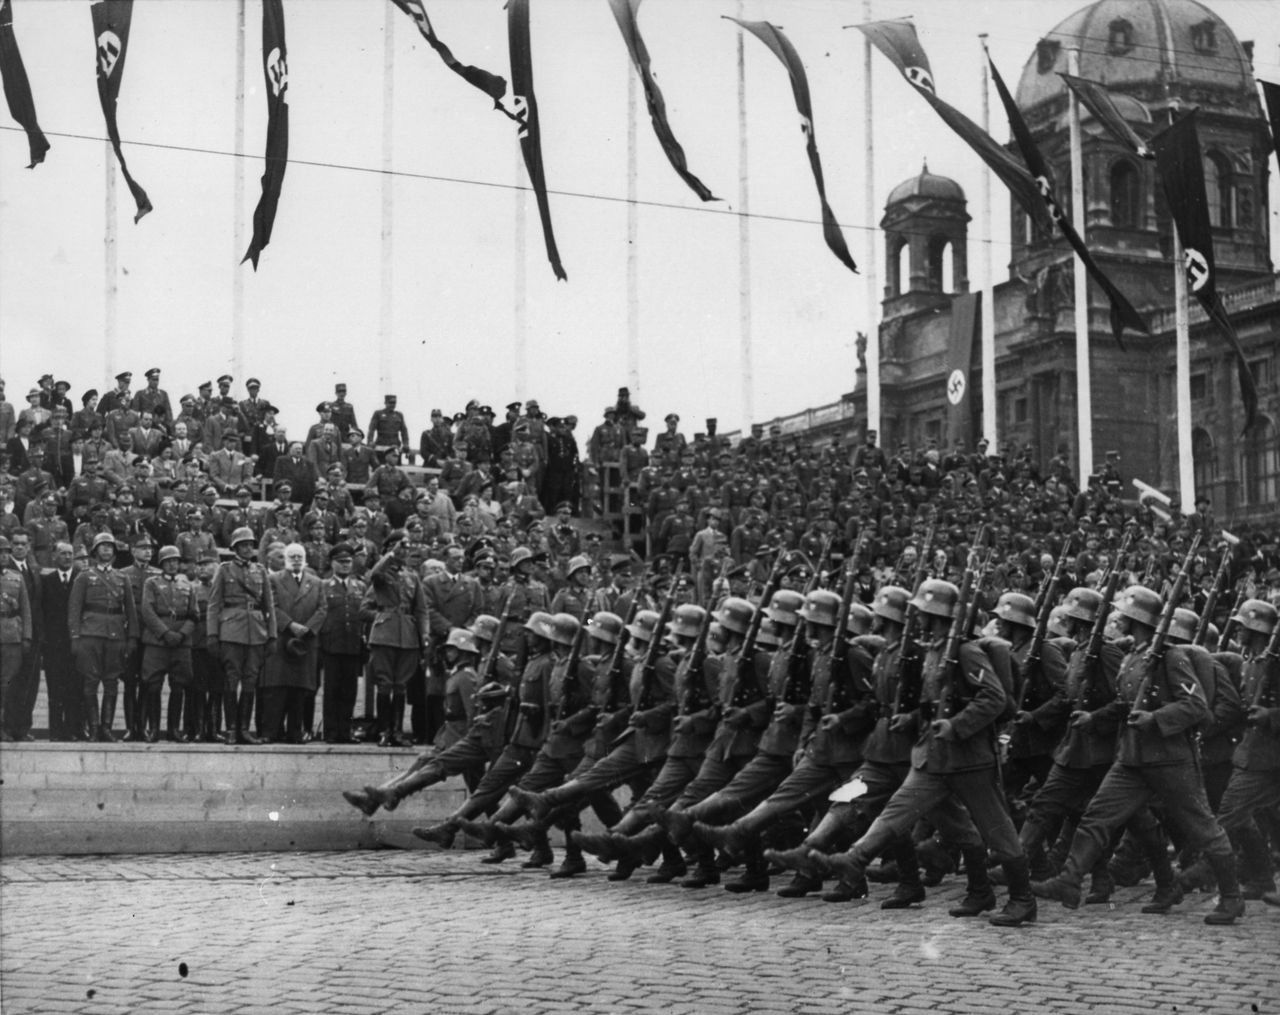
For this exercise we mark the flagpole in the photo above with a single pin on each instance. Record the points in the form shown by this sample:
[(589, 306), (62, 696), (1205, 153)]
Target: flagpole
[(633, 229), (869, 256), (238, 239), (744, 245), (990, 426), (1182, 377), (388, 194), (518, 337), (1084, 383), (111, 275)]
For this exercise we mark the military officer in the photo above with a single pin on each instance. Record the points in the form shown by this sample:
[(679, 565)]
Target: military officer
[(102, 618), (342, 649), (395, 606), (16, 632), (387, 429), (241, 630), (154, 400), (169, 615)]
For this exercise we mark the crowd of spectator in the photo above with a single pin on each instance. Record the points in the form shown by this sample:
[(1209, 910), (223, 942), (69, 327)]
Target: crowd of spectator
[(469, 494)]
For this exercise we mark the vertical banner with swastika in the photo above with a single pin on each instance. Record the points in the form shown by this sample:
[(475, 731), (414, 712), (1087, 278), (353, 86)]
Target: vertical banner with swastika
[(17, 89), (1271, 92), (1123, 315), (897, 40), (526, 107), (1181, 171), (781, 47), (111, 20), (624, 12), (965, 322), (275, 71), (493, 85)]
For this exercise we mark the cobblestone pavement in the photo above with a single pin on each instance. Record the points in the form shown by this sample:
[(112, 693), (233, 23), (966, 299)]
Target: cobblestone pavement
[(355, 933)]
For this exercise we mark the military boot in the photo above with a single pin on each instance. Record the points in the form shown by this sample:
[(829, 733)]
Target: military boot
[(442, 834), (89, 705), (672, 866), (1230, 905), (132, 718), (572, 864), (107, 718), (384, 718), (910, 888), (151, 715), (979, 896), (397, 721), (755, 878), (1021, 907), (244, 724)]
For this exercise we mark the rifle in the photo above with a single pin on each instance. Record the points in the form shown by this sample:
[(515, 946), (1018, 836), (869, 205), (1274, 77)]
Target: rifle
[(619, 650), (1215, 591), (979, 579), (959, 630), (1155, 651), (491, 660), (1043, 609), (1107, 588), (912, 651), (1229, 628), (650, 660), (1270, 674), (570, 671)]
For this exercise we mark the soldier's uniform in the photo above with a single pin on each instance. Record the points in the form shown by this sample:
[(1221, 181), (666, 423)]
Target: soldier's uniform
[(15, 636), (169, 614), (387, 429), (242, 619), (102, 618), (526, 596), (395, 606), (341, 653), (137, 575), (205, 696)]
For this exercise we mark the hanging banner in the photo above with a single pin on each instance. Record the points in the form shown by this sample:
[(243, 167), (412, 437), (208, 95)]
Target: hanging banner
[(964, 327), (526, 109), (1123, 314), (493, 85), (781, 47), (1094, 96), (624, 12), (111, 20), (17, 89), (1180, 164), (275, 72)]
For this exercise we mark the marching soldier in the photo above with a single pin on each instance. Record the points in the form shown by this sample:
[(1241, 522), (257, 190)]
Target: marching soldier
[(526, 594), (241, 631), (953, 755), (102, 617), (1155, 760)]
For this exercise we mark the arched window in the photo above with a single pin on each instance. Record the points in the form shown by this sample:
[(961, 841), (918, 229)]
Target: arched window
[(897, 276), (1126, 195), (1203, 462), (903, 261), (941, 275), (1119, 37), (1260, 464), (1219, 190)]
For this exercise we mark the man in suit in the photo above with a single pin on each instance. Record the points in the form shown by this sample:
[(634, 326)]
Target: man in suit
[(299, 472), (228, 466), (146, 439), (25, 684), (66, 720), (289, 678)]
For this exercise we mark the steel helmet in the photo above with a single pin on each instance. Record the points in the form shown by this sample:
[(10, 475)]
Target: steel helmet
[(4, 543), (1141, 604), (168, 553), (539, 623), (519, 555), (564, 628), (107, 539), (1182, 630), (576, 564), (735, 614), (641, 629), (686, 620), (244, 534), (606, 627), (770, 633), (1082, 604), (784, 607), (859, 621), (463, 640), (821, 607), (1256, 615), (1059, 620), (1016, 608), (485, 627), (715, 636), (937, 598), (891, 603)]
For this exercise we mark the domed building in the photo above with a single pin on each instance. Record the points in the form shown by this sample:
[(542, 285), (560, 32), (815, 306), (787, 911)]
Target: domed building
[(1156, 56)]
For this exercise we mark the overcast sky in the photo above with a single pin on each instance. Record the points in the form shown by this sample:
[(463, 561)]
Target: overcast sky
[(312, 309)]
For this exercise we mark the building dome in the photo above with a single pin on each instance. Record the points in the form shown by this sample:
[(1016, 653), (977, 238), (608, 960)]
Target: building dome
[(1158, 48), (926, 185)]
